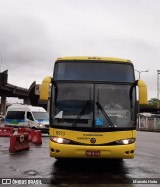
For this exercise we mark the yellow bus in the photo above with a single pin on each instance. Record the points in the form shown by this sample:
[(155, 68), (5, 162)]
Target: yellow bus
[(93, 107)]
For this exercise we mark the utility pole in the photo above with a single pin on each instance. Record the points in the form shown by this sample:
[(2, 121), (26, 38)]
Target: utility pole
[(139, 72), (158, 74), (0, 62)]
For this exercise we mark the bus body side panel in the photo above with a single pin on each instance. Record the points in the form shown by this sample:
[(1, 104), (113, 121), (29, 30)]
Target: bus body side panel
[(79, 149)]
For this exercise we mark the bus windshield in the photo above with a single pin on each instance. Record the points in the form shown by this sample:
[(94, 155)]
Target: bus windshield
[(94, 71), (92, 105)]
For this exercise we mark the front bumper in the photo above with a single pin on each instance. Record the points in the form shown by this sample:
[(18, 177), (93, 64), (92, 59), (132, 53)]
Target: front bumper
[(79, 151)]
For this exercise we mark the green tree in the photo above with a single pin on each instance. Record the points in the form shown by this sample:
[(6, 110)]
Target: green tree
[(154, 102)]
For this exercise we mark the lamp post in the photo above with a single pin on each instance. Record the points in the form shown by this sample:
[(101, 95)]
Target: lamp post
[(158, 104), (0, 61), (158, 74), (141, 72)]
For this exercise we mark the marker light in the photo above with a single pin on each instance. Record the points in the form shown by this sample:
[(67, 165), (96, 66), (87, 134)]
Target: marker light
[(94, 58)]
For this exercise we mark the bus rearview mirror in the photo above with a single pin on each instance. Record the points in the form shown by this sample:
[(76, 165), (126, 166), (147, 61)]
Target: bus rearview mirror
[(143, 98), (44, 89)]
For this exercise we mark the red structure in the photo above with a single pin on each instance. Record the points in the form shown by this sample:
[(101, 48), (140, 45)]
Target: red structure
[(6, 131), (19, 142)]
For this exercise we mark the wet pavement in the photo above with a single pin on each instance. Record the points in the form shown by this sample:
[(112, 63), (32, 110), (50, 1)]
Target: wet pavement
[(36, 163)]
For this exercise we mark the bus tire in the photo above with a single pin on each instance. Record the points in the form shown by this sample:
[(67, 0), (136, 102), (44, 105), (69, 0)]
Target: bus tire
[(119, 160), (33, 128)]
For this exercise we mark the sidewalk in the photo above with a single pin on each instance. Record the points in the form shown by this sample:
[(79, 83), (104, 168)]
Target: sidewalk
[(150, 130)]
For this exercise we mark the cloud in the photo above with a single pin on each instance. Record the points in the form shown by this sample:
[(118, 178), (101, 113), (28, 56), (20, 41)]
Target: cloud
[(34, 33), (23, 41), (26, 49)]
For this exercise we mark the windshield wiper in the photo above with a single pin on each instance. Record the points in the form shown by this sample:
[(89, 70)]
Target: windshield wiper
[(81, 113), (105, 115)]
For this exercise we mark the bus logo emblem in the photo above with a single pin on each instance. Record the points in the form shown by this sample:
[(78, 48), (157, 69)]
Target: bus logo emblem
[(93, 140)]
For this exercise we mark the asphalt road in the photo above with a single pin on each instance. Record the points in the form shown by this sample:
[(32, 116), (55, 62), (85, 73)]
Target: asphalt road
[(36, 163)]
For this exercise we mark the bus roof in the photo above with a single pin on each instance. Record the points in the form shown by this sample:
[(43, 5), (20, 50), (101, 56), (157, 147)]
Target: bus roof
[(105, 59)]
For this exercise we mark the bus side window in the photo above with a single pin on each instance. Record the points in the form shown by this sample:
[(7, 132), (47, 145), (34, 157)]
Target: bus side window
[(29, 116)]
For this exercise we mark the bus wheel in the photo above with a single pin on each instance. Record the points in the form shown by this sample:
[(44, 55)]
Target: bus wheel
[(58, 159), (33, 128), (119, 160)]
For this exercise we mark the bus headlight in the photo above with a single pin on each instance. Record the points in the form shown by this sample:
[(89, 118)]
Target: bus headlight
[(59, 140), (126, 141)]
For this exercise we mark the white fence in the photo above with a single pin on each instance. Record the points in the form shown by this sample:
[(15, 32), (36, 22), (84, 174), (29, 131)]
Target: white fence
[(149, 122)]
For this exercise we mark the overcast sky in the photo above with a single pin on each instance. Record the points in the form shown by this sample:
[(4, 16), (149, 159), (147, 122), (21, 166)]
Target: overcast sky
[(34, 33)]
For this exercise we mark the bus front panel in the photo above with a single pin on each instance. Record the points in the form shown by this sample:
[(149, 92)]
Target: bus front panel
[(79, 144)]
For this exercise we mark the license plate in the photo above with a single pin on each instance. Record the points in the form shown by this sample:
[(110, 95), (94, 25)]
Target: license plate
[(93, 153)]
